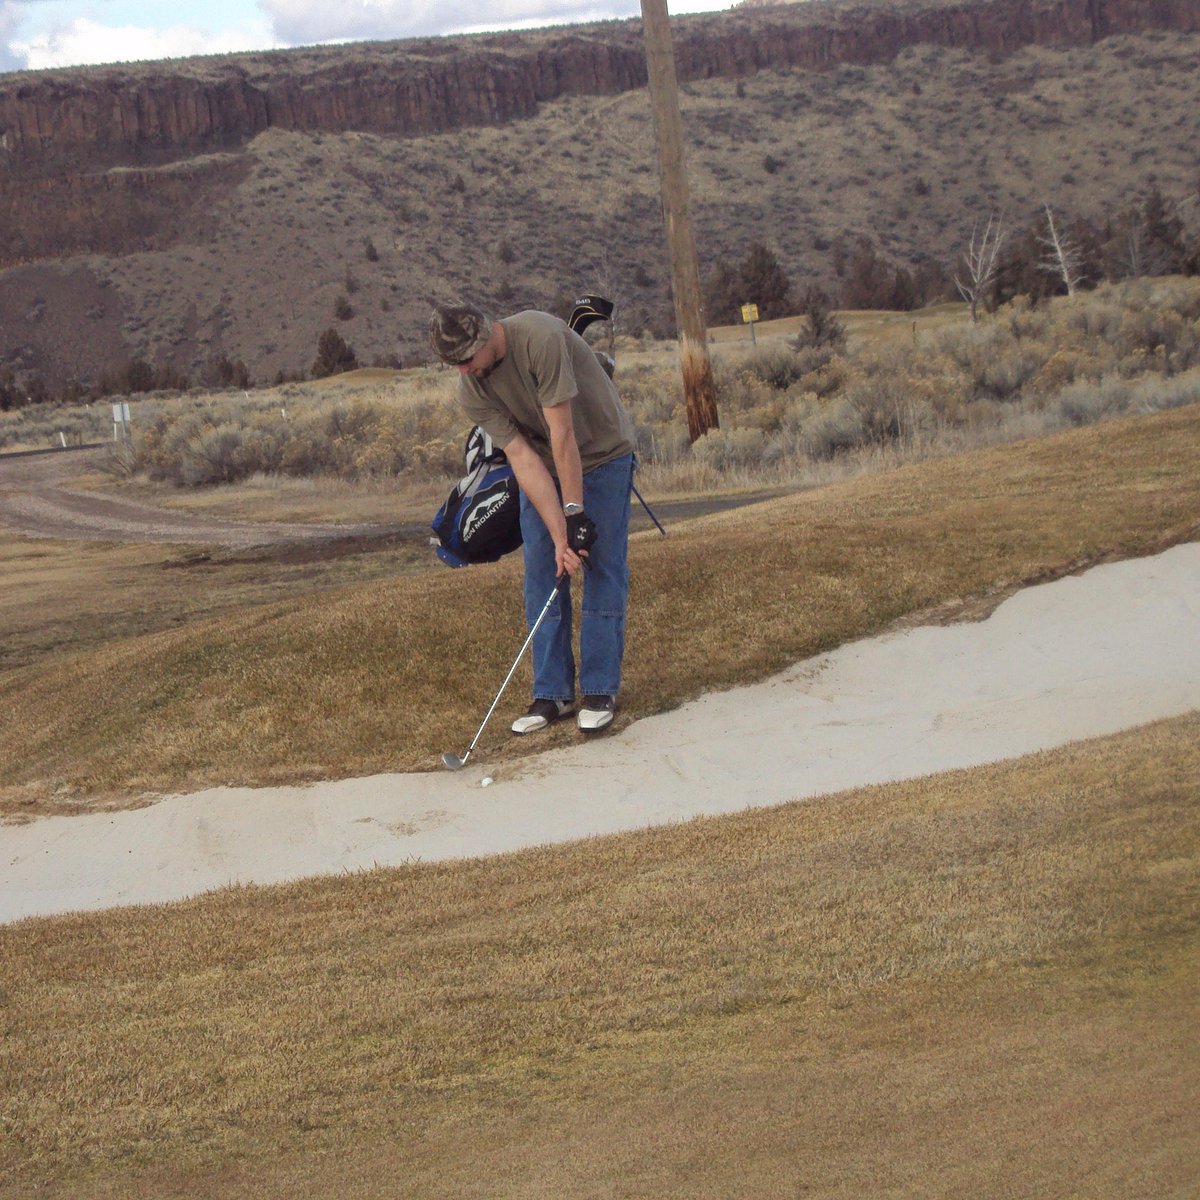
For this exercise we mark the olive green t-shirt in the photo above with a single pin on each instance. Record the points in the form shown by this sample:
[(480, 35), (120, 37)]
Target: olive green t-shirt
[(545, 364)]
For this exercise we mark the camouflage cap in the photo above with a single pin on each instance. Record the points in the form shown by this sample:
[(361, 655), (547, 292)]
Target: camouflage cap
[(458, 330)]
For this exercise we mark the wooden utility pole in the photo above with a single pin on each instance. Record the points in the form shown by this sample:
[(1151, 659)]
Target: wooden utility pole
[(698, 386)]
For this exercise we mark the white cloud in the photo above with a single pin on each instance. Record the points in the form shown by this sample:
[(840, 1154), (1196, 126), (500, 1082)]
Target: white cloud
[(86, 41), (60, 38), (309, 21), (10, 18)]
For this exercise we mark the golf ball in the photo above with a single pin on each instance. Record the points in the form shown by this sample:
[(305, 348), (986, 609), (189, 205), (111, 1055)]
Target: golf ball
[(485, 781)]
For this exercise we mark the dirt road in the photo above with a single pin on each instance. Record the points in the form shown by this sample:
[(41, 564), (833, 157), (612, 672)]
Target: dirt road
[(36, 501)]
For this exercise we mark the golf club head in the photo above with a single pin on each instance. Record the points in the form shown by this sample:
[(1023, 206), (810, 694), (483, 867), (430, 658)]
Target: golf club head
[(453, 762)]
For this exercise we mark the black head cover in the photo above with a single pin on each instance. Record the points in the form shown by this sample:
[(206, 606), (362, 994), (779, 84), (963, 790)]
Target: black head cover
[(587, 310)]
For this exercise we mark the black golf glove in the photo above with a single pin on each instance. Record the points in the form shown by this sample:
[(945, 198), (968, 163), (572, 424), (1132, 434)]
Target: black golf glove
[(581, 531)]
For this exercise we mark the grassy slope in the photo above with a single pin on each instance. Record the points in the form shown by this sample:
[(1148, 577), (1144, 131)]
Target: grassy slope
[(384, 675), (976, 984)]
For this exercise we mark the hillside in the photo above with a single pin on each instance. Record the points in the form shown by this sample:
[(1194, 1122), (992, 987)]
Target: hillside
[(232, 206)]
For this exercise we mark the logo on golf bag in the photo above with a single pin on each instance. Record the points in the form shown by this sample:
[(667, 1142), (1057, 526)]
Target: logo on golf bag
[(481, 518), (492, 505)]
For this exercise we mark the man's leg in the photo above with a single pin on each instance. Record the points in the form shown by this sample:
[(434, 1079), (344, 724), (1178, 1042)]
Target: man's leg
[(606, 493), (553, 660)]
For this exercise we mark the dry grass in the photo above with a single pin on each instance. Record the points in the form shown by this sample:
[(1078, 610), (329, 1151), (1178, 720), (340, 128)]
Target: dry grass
[(383, 675), (870, 327), (976, 984), (70, 597)]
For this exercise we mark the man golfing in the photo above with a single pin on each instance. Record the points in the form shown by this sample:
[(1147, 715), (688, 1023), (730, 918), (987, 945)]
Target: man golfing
[(537, 389)]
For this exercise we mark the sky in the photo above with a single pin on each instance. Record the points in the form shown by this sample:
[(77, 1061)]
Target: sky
[(35, 34)]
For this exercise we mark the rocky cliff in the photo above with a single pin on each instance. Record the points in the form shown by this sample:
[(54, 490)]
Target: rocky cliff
[(178, 240), (87, 119)]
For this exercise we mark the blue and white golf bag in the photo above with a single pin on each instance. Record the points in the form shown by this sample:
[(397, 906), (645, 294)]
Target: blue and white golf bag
[(481, 518)]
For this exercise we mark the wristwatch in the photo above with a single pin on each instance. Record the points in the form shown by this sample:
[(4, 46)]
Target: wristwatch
[(569, 510)]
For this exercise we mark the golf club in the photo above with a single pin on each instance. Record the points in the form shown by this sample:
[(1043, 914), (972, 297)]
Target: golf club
[(453, 761), (587, 310), (649, 511)]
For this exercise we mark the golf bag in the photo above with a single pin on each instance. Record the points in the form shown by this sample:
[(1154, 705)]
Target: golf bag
[(481, 518)]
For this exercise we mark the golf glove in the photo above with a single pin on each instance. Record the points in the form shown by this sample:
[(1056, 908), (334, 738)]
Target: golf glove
[(581, 531)]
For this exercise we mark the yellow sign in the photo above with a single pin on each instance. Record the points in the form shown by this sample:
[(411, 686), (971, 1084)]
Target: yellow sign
[(749, 313)]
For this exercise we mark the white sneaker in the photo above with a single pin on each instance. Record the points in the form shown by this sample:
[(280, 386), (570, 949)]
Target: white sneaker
[(542, 713), (596, 712)]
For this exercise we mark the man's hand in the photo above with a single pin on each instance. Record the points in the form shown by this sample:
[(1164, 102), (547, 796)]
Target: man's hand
[(566, 561), (581, 532)]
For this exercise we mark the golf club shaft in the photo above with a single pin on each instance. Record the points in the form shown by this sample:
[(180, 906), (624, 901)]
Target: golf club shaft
[(649, 510), (516, 662)]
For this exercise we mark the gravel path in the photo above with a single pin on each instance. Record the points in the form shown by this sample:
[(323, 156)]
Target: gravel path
[(35, 502)]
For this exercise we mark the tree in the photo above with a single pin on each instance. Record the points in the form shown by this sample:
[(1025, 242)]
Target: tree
[(870, 281), (1147, 239), (759, 279), (766, 283), (821, 327), (1018, 271), (223, 372), (723, 294), (1163, 235), (978, 277), (10, 396), (333, 355), (136, 376), (1063, 257)]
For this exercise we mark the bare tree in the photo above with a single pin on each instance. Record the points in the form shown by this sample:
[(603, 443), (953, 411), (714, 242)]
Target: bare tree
[(1063, 256), (1133, 249), (980, 262), (608, 283)]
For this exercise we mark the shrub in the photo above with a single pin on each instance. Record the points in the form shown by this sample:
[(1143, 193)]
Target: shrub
[(214, 457), (1153, 394), (724, 449), (1085, 402), (774, 365), (1070, 362), (832, 429)]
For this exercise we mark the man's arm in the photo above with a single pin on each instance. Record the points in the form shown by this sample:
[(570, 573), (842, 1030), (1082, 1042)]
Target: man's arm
[(538, 485), (565, 450)]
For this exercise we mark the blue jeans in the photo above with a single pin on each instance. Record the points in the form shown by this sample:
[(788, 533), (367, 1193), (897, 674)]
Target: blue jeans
[(606, 493)]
